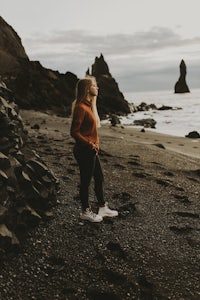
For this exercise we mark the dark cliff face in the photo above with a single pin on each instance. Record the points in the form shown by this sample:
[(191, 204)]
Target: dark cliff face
[(110, 99), (33, 85), (181, 85), (43, 89), (27, 187), (36, 87), (11, 49)]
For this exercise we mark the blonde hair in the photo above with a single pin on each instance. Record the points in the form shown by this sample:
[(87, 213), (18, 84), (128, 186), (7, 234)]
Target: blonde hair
[(82, 87)]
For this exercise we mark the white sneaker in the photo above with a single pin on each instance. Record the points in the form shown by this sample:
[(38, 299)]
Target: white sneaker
[(105, 211), (89, 215)]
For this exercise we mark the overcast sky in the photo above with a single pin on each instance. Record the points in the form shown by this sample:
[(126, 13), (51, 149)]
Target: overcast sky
[(143, 41)]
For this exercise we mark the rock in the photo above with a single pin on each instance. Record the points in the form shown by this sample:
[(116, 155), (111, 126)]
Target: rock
[(145, 107), (28, 216), (166, 107), (7, 238), (147, 123), (3, 213), (110, 98), (27, 187), (3, 177), (181, 85), (35, 126), (159, 146), (193, 135), (4, 161), (114, 120)]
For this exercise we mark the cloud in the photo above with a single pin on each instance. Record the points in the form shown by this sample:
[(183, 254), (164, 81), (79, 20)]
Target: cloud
[(150, 56)]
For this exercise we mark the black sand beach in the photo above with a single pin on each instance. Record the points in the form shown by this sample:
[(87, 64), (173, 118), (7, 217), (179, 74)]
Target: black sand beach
[(151, 251)]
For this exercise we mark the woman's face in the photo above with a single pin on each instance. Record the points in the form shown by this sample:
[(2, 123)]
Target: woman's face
[(93, 91)]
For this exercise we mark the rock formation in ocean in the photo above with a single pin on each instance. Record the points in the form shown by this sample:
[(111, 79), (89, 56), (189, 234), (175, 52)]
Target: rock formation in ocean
[(36, 87), (110, 98), (27, 187), (181, 85)]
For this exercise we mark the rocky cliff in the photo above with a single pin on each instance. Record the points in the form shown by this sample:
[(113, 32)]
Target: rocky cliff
[(11, 49), (27, 187), (33, 85), (36, 87), (181, 85)]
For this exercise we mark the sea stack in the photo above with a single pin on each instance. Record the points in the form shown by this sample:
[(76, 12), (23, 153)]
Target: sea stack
[(110, 99), (181, 85)]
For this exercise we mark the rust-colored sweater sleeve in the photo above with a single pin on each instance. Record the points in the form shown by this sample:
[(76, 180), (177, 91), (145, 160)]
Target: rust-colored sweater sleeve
[(78, 118)]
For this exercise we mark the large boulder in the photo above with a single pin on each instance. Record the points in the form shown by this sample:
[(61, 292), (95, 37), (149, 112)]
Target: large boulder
[(181, 85)]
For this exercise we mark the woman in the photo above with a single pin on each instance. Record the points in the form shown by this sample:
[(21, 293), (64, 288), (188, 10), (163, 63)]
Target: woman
[(85, 121)]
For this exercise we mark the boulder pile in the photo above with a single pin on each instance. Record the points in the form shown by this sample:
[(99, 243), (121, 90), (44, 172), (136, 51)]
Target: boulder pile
[(27, 186)]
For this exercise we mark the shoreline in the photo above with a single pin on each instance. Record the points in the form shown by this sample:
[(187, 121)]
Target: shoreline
[(181, 145)]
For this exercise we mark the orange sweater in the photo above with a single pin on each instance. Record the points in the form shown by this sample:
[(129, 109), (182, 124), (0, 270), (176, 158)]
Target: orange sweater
[(84, 127)]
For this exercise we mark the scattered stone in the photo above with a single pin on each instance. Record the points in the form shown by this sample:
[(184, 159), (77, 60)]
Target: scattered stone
[(140, 175), (146, 123), (35, 126), (114, 120), (133, 163), (145, 107), (159, 146), (193, 135), (117, 249), (162, 182), (167, 173)]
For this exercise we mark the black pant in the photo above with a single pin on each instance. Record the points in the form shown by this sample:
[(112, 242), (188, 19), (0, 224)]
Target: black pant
[(89, 166)]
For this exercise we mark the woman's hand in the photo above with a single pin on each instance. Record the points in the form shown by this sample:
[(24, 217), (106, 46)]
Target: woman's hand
[(94, 147)]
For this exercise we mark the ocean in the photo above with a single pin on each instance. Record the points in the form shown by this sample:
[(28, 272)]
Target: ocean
[(177, 122)]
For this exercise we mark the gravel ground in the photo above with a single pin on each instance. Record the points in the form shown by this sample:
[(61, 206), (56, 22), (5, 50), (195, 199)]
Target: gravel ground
[(151, 251)]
